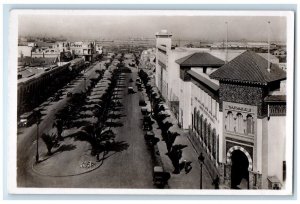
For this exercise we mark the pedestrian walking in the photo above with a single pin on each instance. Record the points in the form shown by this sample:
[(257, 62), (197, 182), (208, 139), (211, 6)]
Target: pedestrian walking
[(188, 167), (216, 182)]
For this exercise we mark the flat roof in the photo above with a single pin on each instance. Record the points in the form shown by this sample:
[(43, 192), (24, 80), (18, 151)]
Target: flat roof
[(204, 80)]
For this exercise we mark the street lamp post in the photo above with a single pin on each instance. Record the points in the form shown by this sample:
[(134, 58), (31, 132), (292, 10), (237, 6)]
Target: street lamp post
[(201, 160), (38, 120)]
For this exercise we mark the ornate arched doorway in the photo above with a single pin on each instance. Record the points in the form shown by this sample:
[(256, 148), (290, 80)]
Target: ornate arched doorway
[(241, 164)]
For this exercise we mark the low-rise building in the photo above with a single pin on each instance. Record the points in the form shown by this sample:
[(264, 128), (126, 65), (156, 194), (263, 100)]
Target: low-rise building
[(232, 104), (83, 49), (36, 82)]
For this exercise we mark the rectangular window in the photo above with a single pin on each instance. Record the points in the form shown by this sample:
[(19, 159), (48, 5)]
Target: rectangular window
[(162, 51)]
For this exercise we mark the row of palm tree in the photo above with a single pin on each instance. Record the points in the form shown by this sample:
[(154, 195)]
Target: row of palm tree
[(65, 117), (169, 137), (93, 133)]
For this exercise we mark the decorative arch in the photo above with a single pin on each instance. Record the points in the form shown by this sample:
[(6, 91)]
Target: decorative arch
[(209, 132), (229, 153), (201, 126), (214, 140), (249, 124), (195, 116), (205, 131), (229, 121), (239, 123), (197, 121)]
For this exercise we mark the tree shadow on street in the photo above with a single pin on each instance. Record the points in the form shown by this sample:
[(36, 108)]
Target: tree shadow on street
[(115, 109), (114, 124), (115, 115), (117, 98), (79, 124), (64, 148), (61, 149), (118, 146)]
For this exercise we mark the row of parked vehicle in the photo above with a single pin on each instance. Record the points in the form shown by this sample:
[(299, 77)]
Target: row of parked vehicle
[(160, 177), (29, 118)]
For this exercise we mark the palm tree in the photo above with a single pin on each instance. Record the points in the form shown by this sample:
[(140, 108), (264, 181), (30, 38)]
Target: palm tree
[(175, 155), (170, 139), (59, 126), (50, 142)]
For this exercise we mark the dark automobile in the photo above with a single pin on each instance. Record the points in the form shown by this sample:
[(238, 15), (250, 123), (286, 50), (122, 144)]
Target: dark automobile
[(144, 110), (138, 84), (130, 90), (147, 123), (142, 102), (149, 135), (26, 119), (150, 138), (160, 177), (69, 94)]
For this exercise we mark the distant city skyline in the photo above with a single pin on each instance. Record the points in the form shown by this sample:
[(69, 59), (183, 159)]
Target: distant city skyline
[(190, 28)]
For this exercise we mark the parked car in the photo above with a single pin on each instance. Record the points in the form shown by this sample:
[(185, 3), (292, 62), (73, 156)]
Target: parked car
[(150, 139), (69, 94), (144, 110), (149, 135), (130, 90), (160, 177), (57, 97), (51, 99), (147, 123), (138, 84), (26, 119), (142, 102)]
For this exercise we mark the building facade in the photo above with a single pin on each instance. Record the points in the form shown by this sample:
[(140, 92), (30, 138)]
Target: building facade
[(37, 83), (232, 110), (87, 50)]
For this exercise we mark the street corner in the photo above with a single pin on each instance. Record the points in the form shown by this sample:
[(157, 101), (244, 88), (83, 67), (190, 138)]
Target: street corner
[(70, 158)]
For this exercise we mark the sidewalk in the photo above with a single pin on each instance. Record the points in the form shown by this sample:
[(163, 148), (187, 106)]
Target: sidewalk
[(182, 180)]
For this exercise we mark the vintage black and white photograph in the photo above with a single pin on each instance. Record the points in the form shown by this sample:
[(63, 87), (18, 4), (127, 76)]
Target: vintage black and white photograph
[(152, 100)]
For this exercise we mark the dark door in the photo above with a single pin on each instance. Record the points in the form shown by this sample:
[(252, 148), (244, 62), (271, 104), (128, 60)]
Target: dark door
[(239, 169)]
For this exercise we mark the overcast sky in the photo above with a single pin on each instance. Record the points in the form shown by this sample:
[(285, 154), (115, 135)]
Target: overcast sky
[(203, 28)]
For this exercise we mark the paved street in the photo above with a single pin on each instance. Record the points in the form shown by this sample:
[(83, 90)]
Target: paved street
[(131, 167), (27, 136)]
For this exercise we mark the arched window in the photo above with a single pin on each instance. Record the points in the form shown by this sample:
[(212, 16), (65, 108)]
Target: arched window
[(205, 131), (239, 123), (214, 140), (209, 136), (201, 126), (229, 121), (250, 124)]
